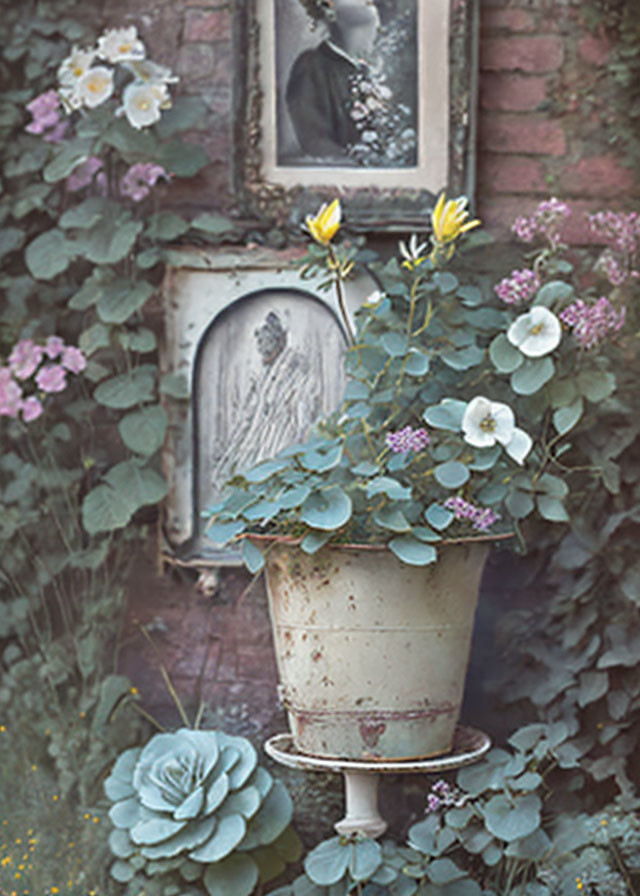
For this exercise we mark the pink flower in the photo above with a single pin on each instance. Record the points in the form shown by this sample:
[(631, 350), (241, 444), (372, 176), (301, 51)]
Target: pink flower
[(53, 346), (406, 440), (73, 359), (82, 175), (546, 220), (52, 378), (10, 396), (519, 287), (138, 180), (479, 517), (24, 358), (31, 409), (592, 323), (45, 112)]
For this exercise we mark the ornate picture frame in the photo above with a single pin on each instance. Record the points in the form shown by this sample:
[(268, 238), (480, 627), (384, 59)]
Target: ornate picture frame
[(432, 67)]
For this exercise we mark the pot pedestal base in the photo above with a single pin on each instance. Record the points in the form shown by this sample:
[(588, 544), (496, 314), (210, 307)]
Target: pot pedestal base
[(361, 777)]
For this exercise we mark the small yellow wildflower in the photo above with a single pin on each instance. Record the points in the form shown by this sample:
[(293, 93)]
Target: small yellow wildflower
[(134, 691), (34, 768), (325, 224), (604, 822), (449, 221), (87, 816), (95, 819), (6, 861), (17, 875), (55, 890), (579, 884), (3, 728), (18, 840)]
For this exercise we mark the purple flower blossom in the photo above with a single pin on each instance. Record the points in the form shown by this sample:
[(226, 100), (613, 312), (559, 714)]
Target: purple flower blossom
[(45, 110), (31, 408), (433, 803), (546, 220), (481, 518), (591, 323), (53, 347), (408, 439), (73, 359), (83, 174), (139, 179), (622, 232), (519, 287), (24, 358), (10, 394), (52, 378)]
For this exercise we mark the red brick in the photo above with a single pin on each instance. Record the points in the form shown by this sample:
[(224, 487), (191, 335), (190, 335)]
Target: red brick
[(257, 663), (511, 92), (513, 19), (201, 25), (601, 176), (527, 54), (530, 134), (510, 174), (498, 214), (594, 50)]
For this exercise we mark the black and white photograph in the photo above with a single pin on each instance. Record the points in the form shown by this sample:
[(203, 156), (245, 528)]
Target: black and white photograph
[(347, 83)]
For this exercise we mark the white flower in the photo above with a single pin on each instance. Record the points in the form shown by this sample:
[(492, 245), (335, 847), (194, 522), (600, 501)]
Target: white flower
[(142, 103), (535, 333), (121, 44), (150, 72), (486, 422), (414, 254), (77, 64), (95, 86)]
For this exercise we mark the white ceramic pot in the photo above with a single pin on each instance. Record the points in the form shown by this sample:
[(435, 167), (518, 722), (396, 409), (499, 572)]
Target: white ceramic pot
[(372, 653)]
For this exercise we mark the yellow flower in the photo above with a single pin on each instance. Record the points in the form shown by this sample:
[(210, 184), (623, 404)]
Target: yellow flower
[(324, 226), (449, 219)]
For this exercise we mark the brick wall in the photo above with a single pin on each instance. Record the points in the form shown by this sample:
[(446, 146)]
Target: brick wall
[(540, 118)]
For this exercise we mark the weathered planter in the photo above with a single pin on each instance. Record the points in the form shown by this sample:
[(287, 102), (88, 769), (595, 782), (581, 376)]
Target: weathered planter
[(372, 653)]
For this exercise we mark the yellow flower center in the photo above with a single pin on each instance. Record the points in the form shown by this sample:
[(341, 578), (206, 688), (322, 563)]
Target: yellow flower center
[(536, 328), (78, 71), (125, 48), (488, 424), (144, 105)]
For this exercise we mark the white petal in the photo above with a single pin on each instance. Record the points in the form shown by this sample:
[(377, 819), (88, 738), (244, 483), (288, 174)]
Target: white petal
[(478, 409), (504, 421), (519, 446), (535, 333)]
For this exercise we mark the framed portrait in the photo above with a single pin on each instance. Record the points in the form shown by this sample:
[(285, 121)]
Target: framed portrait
[(371, 100)]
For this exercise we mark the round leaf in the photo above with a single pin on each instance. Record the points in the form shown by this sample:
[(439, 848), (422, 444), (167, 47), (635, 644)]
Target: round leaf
[(452, 474), (510, 820), (414, 552), (366, 857), (48, 255), (328, 509), (532, 375), (105, 509), (143, 431), (328, 862), (566, 418), (227, 836), (236, 875), (504, 356)]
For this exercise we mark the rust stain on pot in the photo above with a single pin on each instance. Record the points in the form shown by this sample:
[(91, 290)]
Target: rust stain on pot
[(316, 655), (371, 732)]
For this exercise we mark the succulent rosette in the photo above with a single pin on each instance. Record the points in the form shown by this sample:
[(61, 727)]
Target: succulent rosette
[(196, 802)]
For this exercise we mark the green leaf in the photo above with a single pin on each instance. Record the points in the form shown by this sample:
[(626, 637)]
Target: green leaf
[(48, 255), (504, 356), (313, 541), (452, 474), (120, 844), (412, 551), (143, 431), (596, 385), (592, 686), (395, 344), (96, 337), (237, 875), (125, 813), (252, 556), (519, 504), (272, 819), (462, 358), (122, 871), (184, 160), (445, 281), (438, 517), (327, 509), (417, 363), (470, 295), (565, 418), (447, 414), (68, 157), (187, 113), (444, 871), (212, 223), (552, 509), (392, 518), (328, 862), (104, 509), (141, 485), (265, 470), (321, 460), (512, 819), (389, 487), (87, 295), (366, 858), (532, 375), (554, 292), (119, 300), (85, 214), (141, 340), (109, 241), (175, 385), (221, 533), (11, 238), (165, 226), (127, 389)]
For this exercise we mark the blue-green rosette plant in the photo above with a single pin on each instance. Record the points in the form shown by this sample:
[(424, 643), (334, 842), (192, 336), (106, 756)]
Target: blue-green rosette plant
[(196, 804), (456, 409)]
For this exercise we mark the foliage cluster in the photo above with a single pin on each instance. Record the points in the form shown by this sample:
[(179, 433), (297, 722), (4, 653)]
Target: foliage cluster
[(492, 833)]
